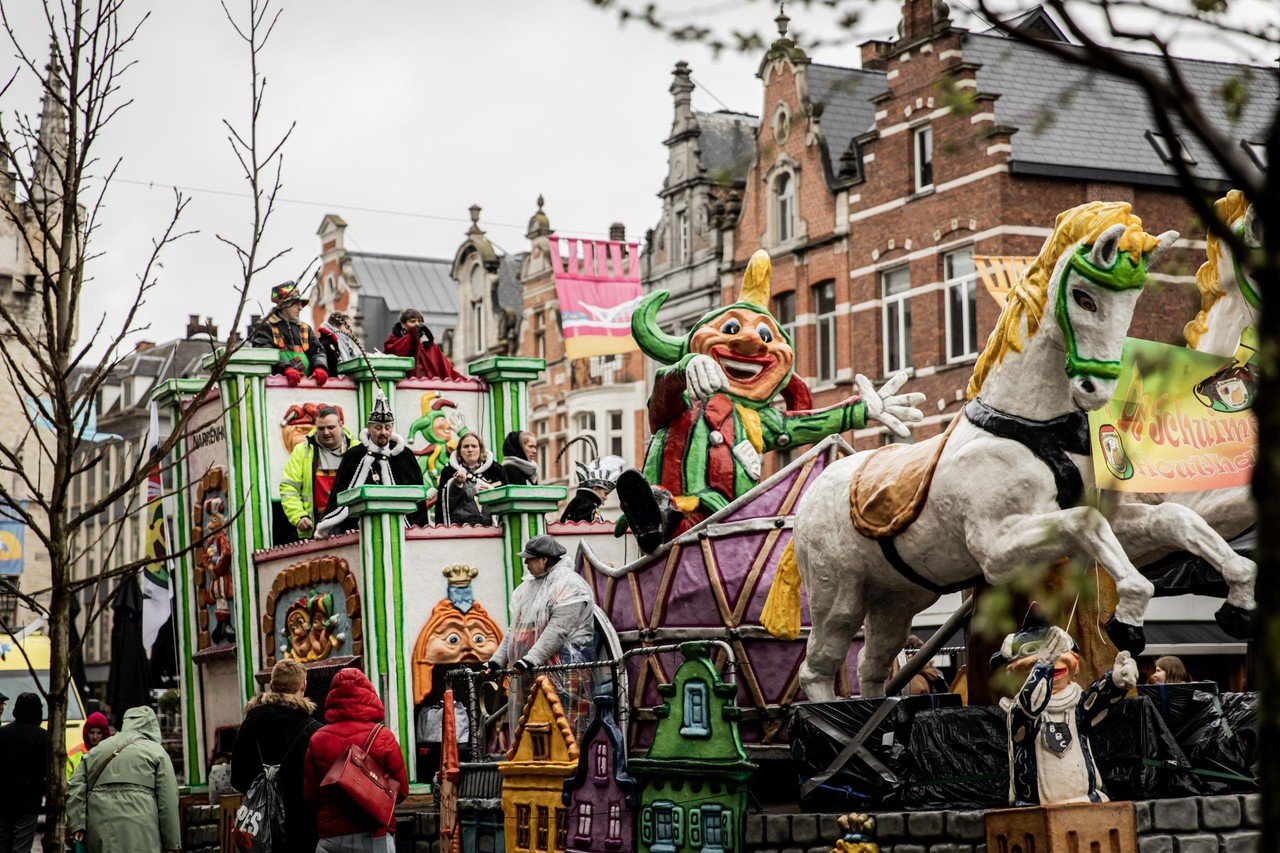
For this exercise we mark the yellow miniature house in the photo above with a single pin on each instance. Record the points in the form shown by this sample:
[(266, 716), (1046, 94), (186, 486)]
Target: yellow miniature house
[(543, 754)]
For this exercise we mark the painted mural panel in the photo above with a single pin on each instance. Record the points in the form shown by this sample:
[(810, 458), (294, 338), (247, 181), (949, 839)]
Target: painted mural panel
[(291, 414), (312, 613), (433, 415), (210, 531), (459, 630)]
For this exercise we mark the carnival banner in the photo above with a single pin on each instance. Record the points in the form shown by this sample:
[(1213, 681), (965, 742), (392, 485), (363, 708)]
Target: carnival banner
[(12, 536), (597, 288), (1180, 421)]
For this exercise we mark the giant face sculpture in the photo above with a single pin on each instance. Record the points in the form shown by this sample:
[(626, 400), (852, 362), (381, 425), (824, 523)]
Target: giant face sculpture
[(747, 344), (452, 637)]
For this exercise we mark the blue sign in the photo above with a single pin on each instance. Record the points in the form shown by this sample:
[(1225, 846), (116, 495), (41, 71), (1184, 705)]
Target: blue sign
[(11, 544)]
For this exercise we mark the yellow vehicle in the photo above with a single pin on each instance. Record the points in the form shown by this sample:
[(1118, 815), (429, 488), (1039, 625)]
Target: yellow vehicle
[(16, 678)]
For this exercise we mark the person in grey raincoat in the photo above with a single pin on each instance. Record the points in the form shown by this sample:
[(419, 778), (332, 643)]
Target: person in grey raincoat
[(552, 622), (123, 796)]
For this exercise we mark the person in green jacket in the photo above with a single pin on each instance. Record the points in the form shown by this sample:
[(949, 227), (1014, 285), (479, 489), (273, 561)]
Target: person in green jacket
[(311, 469), (123, 797)]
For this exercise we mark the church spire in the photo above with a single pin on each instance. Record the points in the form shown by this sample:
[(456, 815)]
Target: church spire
[(47, 182)]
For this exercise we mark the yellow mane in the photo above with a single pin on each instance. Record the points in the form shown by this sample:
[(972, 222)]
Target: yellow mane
[(1230, 209), (1027, 298)]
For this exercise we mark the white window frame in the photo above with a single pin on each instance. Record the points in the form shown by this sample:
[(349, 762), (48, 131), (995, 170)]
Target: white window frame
[(968, 282), (620, 434), (1165, 146), (602, 760), (477, 325), (790, 327), (681, 239), (902, 301), (784, 207), (615, 822), (922, 155), (825, 373), (585, 818)]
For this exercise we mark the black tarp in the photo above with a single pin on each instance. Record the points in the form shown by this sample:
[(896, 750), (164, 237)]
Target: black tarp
[(129, 678), (951, 757), (1241, 710), (1197, 720)]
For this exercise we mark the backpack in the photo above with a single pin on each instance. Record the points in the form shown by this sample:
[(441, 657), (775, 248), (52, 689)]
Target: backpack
[(259, 822)]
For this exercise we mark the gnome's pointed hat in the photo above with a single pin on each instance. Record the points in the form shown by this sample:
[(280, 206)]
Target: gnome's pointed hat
[(757, 287), (1026, 640), (381, 412)]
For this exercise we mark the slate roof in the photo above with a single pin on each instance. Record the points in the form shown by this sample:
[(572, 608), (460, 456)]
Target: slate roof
[(510, 293), (848, 111), (727, 146), (408, 282), (1071, 119)]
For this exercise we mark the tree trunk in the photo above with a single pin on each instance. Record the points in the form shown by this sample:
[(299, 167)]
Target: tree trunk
[(59, 675)]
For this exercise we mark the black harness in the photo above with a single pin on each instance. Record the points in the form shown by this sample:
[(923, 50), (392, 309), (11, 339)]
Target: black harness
[(1051, 441)]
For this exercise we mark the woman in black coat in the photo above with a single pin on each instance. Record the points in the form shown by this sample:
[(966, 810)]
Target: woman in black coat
[(277, 728), (519, 459), (471, 470)]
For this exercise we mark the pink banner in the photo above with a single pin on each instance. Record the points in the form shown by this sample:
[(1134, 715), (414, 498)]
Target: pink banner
[(597, 286)]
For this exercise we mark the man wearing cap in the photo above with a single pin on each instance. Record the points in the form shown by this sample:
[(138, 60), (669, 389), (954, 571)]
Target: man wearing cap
[(552, 622), (380, 458), (300, 352), (1051, 717)]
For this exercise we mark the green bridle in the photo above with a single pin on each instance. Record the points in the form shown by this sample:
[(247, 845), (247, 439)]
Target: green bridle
[(1124, 274), (1251, 296)]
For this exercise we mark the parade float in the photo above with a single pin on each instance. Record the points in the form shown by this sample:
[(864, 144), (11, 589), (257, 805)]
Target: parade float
[(726, 644)]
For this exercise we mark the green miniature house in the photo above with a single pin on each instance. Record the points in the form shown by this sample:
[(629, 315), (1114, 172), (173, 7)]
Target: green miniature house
[(695, 775)]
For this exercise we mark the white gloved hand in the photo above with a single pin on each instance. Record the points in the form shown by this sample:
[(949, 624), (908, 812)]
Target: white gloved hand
[(704, 377), (1057, 642), (1125, 672), (890, 408), (456, 420)]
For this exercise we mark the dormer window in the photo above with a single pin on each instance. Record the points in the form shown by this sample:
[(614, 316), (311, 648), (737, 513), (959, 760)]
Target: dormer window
[(784, 208), (1257, 152), (540, 741), (1170, 148), (922, 156)]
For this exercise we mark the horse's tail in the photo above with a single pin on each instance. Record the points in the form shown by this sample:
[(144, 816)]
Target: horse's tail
[(781, 614)]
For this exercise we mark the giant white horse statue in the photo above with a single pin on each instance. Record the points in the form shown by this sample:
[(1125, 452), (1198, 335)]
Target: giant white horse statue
[(1007, 487), (1229, 304)]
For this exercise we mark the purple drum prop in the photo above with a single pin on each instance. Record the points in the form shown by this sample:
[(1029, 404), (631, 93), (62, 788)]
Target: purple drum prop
[(711, 583)]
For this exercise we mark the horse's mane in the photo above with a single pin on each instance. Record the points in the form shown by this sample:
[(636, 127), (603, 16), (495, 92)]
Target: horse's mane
[(1230, 209), (1026, 300)]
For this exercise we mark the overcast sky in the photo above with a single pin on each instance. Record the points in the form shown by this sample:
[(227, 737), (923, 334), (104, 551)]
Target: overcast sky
[(408, 112)]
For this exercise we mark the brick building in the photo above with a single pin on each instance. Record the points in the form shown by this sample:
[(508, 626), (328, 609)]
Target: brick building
[(875, 188), (600, 396)]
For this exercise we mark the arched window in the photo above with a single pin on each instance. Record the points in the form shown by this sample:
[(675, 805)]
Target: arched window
[(478, 312), (784, 207)]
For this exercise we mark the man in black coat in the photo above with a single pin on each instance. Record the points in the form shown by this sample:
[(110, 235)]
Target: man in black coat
[(25, 747), (381, 458), (277, 728)]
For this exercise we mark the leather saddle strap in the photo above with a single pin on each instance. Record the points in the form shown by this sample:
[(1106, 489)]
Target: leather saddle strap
[(1049, 440)]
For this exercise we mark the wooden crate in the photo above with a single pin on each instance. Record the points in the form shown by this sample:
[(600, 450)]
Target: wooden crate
[(1067, 828)]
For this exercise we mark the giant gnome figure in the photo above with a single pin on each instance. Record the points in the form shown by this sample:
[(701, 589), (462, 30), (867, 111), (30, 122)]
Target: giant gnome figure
[(1051, 717), (712, 411)]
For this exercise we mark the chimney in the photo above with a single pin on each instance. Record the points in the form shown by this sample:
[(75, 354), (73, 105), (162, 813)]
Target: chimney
[(921, 17), (618, 232), (195, 327), (143, 346), (682, 93), (254, 320)]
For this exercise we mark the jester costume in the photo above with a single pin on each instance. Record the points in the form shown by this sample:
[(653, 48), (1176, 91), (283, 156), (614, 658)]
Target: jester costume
[(712, 412)]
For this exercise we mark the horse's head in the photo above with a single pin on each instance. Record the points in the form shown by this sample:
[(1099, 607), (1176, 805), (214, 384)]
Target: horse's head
[(1222, 275), (1094, 290), (1088, 277)]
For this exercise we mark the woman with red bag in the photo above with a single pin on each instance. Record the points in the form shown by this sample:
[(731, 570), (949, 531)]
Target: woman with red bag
[(353, 715)]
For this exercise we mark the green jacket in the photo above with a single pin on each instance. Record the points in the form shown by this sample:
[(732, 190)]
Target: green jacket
[(134, 802), (297, 488)]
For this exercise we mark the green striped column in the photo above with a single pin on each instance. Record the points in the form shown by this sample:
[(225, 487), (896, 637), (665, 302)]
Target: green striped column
[(244, 406), (381, 510), (523, 511), (174, 394), (389, 368), (508, 379)]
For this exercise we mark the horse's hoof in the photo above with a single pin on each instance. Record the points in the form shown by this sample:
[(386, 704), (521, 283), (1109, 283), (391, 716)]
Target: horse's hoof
[(1127, 638), (1234, 621)]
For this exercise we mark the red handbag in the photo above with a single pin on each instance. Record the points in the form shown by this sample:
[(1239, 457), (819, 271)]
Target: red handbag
[(364, 780)]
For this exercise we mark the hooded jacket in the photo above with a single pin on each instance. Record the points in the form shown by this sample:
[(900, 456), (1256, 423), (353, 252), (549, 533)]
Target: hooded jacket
[(134, 802), (519, 471), (96, 720), (25, 747), (276, 730), (458, 504), (351, 710)]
